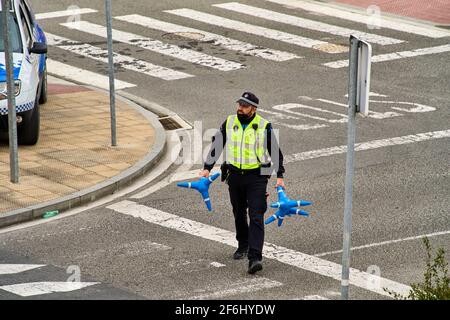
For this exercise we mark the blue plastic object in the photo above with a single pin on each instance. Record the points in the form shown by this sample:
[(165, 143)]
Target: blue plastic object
[(286, 207), (201, 186)]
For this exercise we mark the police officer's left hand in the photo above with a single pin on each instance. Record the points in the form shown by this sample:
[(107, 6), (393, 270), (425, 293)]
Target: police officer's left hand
[(280, 182)]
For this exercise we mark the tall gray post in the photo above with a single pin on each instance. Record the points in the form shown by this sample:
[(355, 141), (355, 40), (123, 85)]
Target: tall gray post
[(112, 97), (10, 89), (351, 134)]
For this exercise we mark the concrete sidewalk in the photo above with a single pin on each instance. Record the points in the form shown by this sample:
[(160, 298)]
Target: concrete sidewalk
[(73, 162)]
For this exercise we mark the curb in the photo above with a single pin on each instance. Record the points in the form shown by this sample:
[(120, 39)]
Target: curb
[(104, 188)]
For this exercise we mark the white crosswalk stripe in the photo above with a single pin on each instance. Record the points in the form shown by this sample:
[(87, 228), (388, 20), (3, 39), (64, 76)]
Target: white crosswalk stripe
[(125, 62), (305, 23), (64, 13), (314, 297), (385, 22), (83, 76), (157, 46), (259, 31), (394, 56), (203, 36)]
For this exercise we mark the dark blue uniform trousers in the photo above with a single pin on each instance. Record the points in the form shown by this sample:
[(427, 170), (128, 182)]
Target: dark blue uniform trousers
[(248, 191)]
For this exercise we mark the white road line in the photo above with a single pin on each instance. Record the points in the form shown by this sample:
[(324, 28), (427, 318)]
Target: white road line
[(372, 114), (370, 145), (327, 152), (18, 268), (217, 264), (349, 14), (157, 46), (126, 62), (284, 116), (395, 56), (64, 13), (243, 286), (215, 39), (271, 251), (386, 243), (69, 72), (314, 297), (306, 23), (289, 106), (38, 288), (259, 31)]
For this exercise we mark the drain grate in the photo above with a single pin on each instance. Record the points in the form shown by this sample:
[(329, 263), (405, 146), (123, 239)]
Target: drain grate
[(169, 124)]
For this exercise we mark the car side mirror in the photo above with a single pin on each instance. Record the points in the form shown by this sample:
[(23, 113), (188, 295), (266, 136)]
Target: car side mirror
[(39, 48)]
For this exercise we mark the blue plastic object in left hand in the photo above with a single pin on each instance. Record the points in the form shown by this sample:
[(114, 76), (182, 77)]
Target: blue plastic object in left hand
[(287, 207), (201, 186)]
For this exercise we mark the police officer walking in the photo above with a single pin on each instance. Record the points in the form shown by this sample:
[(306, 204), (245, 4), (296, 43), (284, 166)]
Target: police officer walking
[(249, 141)]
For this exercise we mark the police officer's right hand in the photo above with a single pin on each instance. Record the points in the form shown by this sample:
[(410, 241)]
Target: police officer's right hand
[(204, 173)]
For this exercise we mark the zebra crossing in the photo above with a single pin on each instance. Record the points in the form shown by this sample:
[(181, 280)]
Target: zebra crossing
[(306, 23), (126, 62), (224, 42), (259, 31), (253, 48)]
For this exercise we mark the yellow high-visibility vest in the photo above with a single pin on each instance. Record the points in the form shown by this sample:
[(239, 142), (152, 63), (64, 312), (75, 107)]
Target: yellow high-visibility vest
[(245, 147)]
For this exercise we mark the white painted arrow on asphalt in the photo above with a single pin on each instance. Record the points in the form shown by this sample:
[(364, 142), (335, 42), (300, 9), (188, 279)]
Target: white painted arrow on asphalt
[(38, 288), (18, 268)]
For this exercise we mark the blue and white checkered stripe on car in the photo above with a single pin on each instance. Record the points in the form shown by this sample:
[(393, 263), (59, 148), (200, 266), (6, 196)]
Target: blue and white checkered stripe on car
[(20, 108)]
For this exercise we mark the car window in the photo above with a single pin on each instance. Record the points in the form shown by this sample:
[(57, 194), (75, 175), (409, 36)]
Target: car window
[(26, 28), (28, 12), (16, 40)]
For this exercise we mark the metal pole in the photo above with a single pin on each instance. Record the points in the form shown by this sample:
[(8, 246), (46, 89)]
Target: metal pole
[(351, 133), (10, 89), (112, 97)]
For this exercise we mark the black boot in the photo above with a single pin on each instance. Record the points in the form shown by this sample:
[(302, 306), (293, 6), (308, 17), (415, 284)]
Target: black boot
[(240, 253), (254, 266)]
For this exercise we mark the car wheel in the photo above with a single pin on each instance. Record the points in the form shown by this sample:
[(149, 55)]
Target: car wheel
[(29, 133), (43, 94)]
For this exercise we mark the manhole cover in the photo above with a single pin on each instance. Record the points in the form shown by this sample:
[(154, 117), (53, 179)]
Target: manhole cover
[(183, 36), (331, 48)]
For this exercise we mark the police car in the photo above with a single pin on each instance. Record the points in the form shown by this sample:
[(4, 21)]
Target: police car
[(29, 47)]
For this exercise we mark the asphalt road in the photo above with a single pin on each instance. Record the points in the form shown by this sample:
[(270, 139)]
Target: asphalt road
[(401, 189)]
